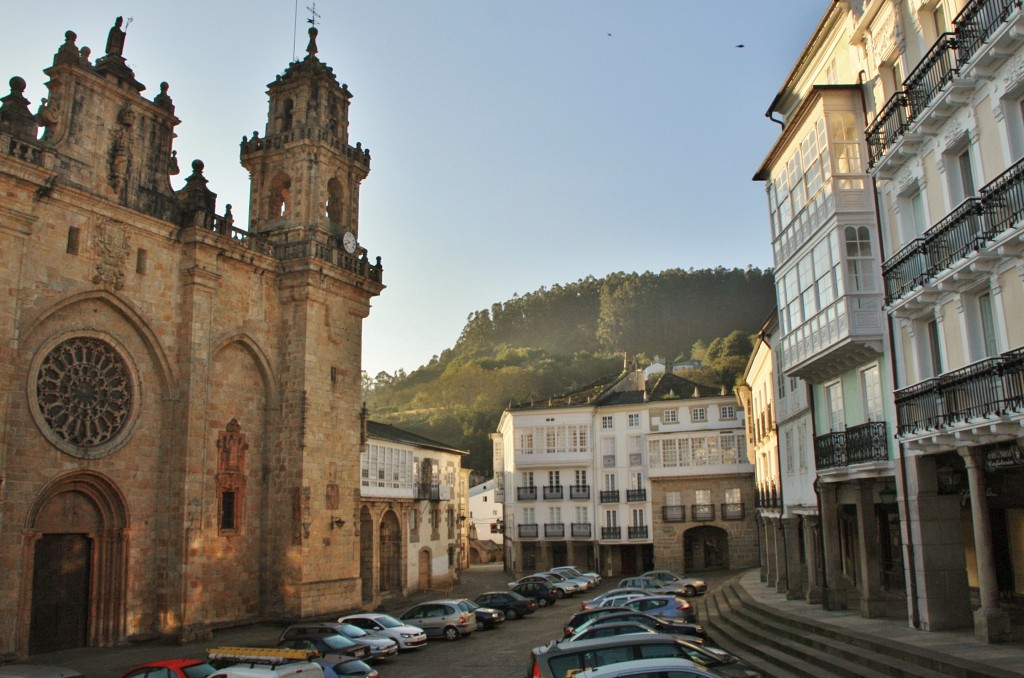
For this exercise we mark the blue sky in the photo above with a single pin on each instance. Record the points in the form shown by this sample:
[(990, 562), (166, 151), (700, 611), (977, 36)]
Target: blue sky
[(515, 144)]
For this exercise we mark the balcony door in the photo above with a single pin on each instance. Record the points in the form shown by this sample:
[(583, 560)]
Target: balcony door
[(834, 404)]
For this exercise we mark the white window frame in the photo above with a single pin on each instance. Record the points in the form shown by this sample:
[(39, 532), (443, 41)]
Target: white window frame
[(698, 414)]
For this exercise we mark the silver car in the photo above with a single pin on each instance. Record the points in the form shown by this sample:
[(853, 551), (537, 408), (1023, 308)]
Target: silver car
[(441, 619), (407, 637)]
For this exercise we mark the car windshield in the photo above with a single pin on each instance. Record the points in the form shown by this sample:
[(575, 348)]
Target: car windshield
[(556, 576), (388, 622), (198, 671), (353, 667), (351, 630), (337, 642), (468, 605)]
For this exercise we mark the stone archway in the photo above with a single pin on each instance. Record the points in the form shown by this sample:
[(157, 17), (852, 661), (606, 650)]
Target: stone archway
[(705, 548), (366, 569), (77, 527), (390, 553)]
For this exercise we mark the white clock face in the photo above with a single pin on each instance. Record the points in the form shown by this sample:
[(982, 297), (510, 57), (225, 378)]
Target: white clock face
[(349, 241)]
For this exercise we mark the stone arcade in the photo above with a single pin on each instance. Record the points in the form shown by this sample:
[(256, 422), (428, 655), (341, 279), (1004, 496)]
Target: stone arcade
[(179, 414)]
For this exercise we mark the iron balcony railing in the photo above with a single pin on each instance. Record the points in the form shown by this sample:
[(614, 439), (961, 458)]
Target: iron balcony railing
[(673, 514), (579, 492), (554, 529), (990, 387), (609, 496), (528, 530), (969, 228), (636, 495), (638, 532), (932, 73), (858, 444), (611, 533), (580, 529), (702, 512), (886, 129), (552, 491), (976, 22), (528, 493), (733, 511)]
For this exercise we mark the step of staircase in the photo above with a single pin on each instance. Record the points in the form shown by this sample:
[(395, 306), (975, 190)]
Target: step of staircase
[(789, 645)]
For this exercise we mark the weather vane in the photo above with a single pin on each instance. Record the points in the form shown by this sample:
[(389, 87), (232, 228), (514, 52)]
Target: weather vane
[(313, 15)]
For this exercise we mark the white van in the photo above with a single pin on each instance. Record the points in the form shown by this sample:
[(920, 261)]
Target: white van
[(264, 662)]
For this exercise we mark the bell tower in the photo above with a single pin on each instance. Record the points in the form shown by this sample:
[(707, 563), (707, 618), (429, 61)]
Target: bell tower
[(304, 173)]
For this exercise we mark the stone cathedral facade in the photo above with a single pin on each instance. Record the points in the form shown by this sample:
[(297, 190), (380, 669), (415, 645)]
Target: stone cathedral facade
[(180, 394)]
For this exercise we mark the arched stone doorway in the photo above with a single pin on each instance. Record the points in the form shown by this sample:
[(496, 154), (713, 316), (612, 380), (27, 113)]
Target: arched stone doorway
[(76, 558), (424, 569), (366, 553), (705, 548), (390, 553)]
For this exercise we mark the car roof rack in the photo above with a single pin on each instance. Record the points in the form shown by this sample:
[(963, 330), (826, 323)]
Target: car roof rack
[(261, 655)]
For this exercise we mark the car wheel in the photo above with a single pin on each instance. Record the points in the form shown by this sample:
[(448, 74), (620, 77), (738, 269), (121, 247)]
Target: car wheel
[(451, 633), (542, 602), (689, 591), (511, 613), (559, 593)]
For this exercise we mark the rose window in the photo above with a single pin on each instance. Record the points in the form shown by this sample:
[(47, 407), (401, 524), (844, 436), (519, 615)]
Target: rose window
[(84, 392)]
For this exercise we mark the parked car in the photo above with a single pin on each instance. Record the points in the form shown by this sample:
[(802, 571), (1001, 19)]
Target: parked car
[(330, 645), (486, 617), (37, 671), (562, 587), (671, 667), (615, 614), (512, 604), (598, 628), (380, 647), (692, 586), (262, 662), (167, 668), (581, 583), (611, 600), (543, 593), (594, 577), (650, 585), (347, 668), (665, 606), (407, 637), (441, 619), (558, 658)]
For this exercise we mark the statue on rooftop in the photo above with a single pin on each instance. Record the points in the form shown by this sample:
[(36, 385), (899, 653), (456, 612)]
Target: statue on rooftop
[(115, 38)]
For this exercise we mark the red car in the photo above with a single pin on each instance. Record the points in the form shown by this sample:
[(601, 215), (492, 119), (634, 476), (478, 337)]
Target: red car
[(172, 668)]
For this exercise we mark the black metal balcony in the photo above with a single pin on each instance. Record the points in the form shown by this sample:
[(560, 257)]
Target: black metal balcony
[(426, 491), (528, 530), (830, 450), (932, 73), (905, 270), (554, 529), (636, 495), (580, 530), (1003, 200), (991, 387), (976, 22), (609, 496), (553, 492), (638, 532), (526, 493), (579, 492), (700, 512), (733, 511), (673, 514), (611, 533), (887, 128), (961, 232), (867, 443)]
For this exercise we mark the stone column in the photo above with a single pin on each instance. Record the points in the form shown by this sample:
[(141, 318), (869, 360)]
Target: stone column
[(834, 597), (872, 600), (812, 555), (794, 573), (781, 573), (991, 624), (762, 547), (770, 546)]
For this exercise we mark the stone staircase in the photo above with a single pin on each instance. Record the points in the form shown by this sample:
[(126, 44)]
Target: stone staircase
[(783, 645)]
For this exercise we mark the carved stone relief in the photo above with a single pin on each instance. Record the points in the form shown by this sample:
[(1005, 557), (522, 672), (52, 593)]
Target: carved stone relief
[(112, 242)]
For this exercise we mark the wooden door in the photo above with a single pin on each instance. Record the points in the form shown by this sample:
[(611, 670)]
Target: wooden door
[(60, 593)]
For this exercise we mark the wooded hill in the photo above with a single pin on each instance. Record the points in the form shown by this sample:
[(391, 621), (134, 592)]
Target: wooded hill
[(565, 337)]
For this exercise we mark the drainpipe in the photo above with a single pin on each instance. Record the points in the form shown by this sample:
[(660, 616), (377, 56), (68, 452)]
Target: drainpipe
[(915, 613)]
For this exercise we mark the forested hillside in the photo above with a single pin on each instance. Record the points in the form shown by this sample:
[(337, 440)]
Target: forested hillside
[(562, 338)]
